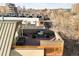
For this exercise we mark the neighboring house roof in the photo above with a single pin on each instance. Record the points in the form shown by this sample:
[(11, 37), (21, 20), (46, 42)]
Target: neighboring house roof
[(32, 26), (7, 31)]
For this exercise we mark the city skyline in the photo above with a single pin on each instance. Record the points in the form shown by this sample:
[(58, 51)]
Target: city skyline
[(44, 5)]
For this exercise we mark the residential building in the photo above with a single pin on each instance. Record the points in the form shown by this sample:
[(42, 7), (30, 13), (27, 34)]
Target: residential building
[(8, 9)]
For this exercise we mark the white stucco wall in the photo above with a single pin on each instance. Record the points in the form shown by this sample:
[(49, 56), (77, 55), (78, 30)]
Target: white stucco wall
[(27, 52), (31, 20)]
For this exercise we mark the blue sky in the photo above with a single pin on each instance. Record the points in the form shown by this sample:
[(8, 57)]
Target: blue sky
[(45, 5)]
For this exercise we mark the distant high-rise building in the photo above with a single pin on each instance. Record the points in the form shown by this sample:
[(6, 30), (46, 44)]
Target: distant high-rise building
[(9, 9), (12, 9), (2, 10)]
